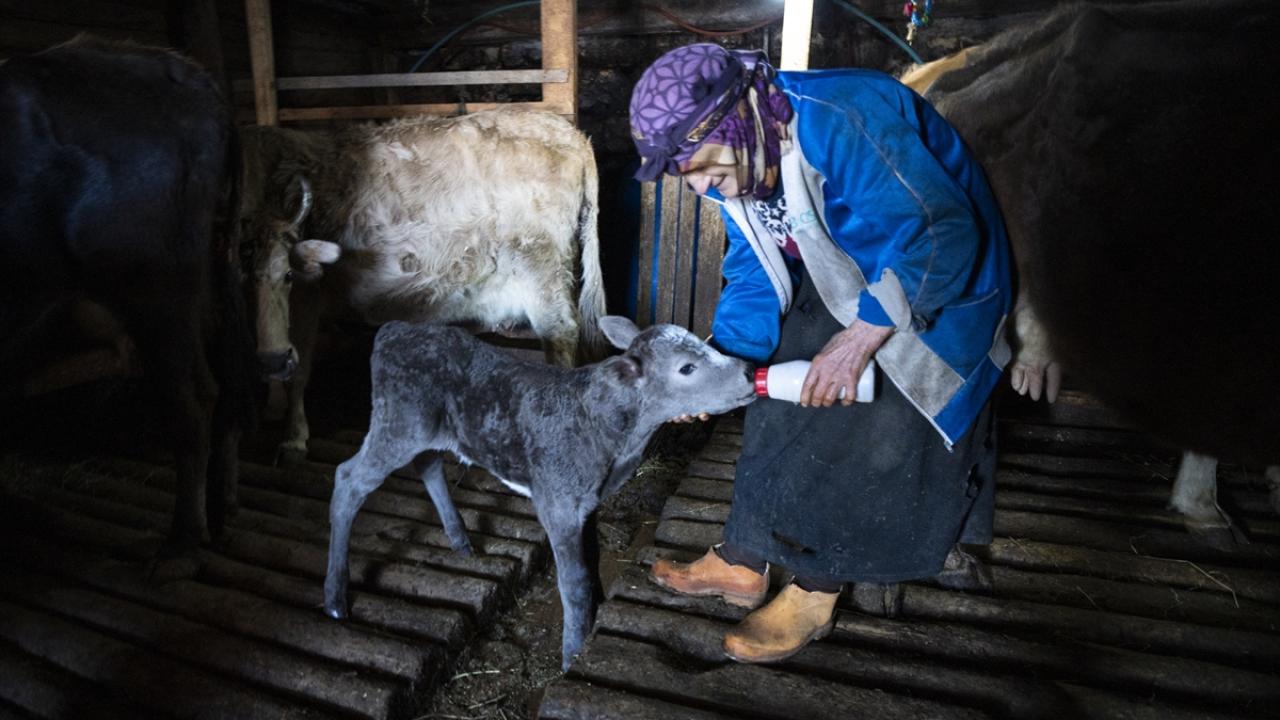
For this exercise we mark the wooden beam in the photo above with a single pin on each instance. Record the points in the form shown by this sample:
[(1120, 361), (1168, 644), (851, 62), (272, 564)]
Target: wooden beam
[(359, 112), (560, 52), (378, 80), (262, 57), (644, 295)]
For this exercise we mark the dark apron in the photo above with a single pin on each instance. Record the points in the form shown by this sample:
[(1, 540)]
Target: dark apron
[(866, 493)]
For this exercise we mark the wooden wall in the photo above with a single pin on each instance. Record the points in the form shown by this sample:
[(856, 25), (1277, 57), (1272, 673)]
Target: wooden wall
[(309, 40)]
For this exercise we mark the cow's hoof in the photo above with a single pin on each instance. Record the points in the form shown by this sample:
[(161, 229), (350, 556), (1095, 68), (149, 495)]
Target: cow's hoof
[(220, 517), (289, 456), (168, 567), (1227, 537)]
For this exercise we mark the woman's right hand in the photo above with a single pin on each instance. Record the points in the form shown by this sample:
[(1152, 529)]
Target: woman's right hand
[(690, 418)]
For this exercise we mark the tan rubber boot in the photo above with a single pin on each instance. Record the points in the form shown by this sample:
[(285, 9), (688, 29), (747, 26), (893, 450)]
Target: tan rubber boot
[(711, 576), (782, 628)]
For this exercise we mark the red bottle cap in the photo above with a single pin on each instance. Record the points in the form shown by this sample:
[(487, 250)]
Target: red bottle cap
[(762, 382)]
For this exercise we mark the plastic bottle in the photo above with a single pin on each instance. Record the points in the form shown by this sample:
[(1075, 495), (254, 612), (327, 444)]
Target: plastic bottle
[(784, 380)]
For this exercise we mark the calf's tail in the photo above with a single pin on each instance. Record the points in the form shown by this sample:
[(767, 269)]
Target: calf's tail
[(591, 300)]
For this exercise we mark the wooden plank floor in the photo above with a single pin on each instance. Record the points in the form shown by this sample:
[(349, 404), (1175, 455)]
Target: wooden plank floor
[(86, 631), (1103, 606)]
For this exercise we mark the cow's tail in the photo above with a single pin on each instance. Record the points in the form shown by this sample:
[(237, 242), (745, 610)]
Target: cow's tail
[(235, 345), (591, 300)]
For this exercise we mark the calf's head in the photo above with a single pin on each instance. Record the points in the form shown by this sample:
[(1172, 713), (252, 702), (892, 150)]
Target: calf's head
[(675, 372), (280, 259)]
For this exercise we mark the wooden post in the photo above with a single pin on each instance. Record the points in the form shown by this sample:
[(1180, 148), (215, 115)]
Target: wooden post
[(797, 24), (262, 57), (711, 241), (560, 52)]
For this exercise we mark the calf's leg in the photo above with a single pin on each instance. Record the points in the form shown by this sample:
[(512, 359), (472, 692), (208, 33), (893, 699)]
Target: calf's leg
[(354, 480), (574, 578), (430, 467)]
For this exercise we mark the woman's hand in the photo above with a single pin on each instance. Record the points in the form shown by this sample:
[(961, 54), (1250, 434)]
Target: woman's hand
[(690, 418), (841, 363)]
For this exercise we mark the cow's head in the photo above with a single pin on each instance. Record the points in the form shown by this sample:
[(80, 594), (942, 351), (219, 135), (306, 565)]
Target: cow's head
[(281, 259)]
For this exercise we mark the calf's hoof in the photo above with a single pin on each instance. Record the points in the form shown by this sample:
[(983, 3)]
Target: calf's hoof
[(463, 548), (335, 610)]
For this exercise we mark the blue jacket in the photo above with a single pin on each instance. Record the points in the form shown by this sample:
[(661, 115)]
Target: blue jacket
[(897, 226)]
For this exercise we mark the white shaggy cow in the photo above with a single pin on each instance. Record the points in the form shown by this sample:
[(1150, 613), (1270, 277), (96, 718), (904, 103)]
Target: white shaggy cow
[(487, 218), (1122, 142)]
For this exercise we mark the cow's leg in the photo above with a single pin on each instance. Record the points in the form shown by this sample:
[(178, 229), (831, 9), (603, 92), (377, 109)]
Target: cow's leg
[(173, 357), (556, 322), (1195, 495), (378, 457), (1273, 479), (222, 492), (303, 326), (430, 467), (1033, 365), (564, 528)]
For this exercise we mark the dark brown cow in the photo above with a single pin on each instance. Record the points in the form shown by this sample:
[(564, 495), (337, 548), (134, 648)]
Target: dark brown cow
[(1132, 150), (111, 169)]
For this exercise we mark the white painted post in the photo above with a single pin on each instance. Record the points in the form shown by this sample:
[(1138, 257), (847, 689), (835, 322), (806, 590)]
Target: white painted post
[(797, 24)]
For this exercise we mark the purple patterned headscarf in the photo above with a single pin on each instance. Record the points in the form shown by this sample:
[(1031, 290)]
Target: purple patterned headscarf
[(704, 95)]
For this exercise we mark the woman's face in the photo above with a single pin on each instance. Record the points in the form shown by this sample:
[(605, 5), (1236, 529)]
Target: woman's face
[(721, 177)]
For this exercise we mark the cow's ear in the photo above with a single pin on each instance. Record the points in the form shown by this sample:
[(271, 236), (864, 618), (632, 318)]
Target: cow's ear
[(619, 330), (318, 251), (308, 256)]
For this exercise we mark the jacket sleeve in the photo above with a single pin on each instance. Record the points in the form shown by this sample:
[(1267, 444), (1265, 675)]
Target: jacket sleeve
[(748, 321), (891, 190)]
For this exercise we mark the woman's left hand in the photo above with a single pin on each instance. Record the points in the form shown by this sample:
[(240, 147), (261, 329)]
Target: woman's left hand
[(841, 363)]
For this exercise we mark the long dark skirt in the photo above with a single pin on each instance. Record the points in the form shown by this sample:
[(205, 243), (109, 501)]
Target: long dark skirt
[(866, 493)]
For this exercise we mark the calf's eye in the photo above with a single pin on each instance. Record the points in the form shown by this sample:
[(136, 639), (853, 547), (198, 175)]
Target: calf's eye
[(288, 276), (688, 369)]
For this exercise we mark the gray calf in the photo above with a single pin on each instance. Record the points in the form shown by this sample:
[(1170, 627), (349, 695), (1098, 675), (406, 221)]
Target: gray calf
[(566, 438)]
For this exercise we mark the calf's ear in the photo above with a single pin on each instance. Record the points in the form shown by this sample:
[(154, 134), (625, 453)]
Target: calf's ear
[(627, 369), (619, 330)]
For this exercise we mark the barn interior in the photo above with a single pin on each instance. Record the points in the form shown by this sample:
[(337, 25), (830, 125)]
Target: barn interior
[(1102, 604)]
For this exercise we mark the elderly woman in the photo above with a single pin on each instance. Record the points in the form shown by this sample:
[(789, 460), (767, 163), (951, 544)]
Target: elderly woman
[(859, 226)]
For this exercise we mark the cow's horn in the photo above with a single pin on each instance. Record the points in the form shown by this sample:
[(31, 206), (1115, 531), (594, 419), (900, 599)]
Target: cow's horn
[(304, 205)]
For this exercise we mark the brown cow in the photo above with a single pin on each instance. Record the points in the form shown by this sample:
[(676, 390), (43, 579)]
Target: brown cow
[(1131, 150)]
